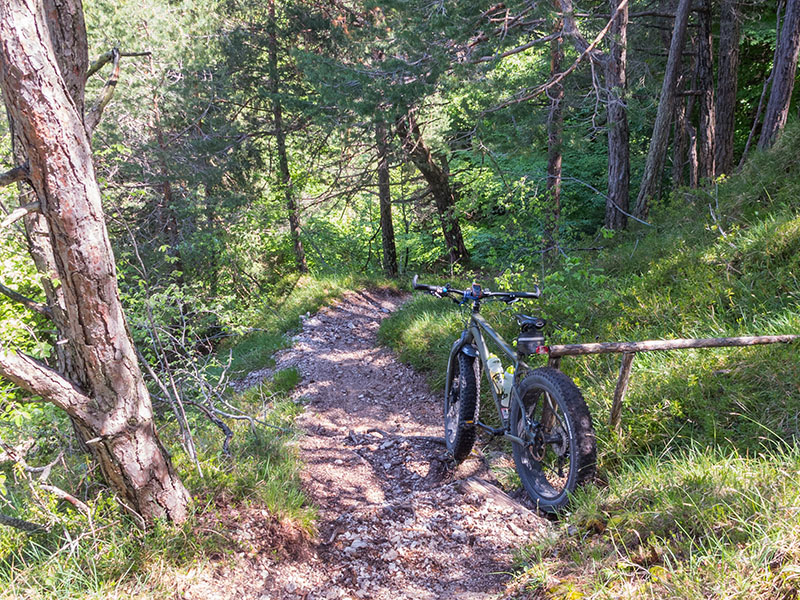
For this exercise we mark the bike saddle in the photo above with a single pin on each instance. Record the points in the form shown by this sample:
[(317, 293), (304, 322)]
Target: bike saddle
[(528, 322)]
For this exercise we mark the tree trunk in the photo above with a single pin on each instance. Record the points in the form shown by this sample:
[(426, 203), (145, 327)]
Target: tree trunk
[(727, 83), (280, 141), (618, 132), (658, 142), (555, 129), (110, 402), (438, 180), (681, 136), (385, 199), (783, 74), (705, 85)]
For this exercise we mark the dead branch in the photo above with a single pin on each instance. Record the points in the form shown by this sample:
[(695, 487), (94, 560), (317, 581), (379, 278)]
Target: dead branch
[(227, 431), (26, 526), (19, 212), (108, 57), (14, 175), (38, 307), (585, 49), (652, 345), (62, 495), (518, 49), (94, 114)]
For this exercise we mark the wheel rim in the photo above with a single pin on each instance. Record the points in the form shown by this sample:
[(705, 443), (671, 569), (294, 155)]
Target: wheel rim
[(451, 415), (547, 458)]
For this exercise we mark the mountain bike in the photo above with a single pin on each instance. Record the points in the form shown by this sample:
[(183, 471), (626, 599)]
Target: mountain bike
[(542, 412)]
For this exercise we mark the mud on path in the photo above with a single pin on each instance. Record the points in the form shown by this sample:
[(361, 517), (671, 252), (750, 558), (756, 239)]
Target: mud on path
[(395, 519)]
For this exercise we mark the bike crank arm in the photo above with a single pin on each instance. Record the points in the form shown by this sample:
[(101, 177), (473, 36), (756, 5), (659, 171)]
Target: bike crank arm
[(491, 430), (499, 431)]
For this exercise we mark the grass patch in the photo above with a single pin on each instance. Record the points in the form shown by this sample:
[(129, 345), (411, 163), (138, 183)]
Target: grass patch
[(104, 555), (276, 317), (701, 523), (697, 495)]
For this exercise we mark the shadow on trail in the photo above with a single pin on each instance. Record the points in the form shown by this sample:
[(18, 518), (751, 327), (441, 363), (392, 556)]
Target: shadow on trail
[(394, 523)]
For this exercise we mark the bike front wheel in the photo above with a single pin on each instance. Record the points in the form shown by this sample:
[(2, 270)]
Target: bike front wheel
[(461, 407), (560, 449)]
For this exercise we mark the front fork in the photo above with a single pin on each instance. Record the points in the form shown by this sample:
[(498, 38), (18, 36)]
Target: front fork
[(461, 345)]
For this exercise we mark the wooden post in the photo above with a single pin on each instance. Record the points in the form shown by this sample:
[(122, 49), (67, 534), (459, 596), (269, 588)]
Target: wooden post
[(619, 391), (554, 362)]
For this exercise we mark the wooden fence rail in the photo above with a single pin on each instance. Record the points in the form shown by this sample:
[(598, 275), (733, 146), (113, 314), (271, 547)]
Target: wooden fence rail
[(628, 349)]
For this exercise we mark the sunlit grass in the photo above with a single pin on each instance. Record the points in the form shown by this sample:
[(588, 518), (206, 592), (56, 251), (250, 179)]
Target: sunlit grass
[(104, 555), (697, 494)]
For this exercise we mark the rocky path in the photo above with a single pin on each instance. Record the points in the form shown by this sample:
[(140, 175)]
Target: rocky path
[(395, 520)]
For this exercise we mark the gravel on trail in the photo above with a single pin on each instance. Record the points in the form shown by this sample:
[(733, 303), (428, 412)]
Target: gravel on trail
[(395, 520)]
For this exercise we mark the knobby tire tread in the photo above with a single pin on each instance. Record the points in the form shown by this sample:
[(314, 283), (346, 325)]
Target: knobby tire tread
[(575, 410), (469, 401)]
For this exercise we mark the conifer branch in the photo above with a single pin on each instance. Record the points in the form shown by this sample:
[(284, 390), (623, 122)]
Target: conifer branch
[(16, 214)]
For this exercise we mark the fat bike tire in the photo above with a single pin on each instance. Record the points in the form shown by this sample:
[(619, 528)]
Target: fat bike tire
[(461, 407), (561, 449)]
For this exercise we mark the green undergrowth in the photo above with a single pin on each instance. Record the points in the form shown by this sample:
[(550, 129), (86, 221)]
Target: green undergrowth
[(697, 494), (278, 315), (103, 554), (92, 555)]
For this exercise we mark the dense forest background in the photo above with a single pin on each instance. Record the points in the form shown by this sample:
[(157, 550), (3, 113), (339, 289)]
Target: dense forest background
[(256, 158)]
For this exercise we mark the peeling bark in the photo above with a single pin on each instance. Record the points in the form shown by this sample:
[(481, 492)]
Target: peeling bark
[(103, 390)]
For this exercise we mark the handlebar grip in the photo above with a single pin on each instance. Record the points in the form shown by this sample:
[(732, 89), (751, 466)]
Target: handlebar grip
[(534, 294), (422, 286)]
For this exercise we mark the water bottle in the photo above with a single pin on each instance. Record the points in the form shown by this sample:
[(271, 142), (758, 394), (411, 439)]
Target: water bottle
[(508, 382), (495, 370)]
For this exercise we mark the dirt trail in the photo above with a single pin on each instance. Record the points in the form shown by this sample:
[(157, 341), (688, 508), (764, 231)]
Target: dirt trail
[(394, 522)]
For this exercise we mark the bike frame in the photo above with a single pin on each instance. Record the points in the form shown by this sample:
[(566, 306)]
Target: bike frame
[(472, 339)]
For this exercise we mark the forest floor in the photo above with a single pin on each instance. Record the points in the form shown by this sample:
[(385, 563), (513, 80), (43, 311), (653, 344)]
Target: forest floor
[(396, 519)]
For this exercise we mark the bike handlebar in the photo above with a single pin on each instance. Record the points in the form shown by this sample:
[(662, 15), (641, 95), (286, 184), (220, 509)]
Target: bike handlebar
[(475, 293)]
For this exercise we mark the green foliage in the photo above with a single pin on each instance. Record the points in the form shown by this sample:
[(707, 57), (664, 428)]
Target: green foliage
[(701, 480), (91, 555)]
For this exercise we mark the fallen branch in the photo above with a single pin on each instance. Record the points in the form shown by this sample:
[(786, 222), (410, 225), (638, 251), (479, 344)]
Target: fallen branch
[(219, 423), (62, 495), (22, 525)]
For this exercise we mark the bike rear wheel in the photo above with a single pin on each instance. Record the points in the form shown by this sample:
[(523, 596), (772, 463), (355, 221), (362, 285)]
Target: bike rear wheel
[(461, 407), (560, 452)]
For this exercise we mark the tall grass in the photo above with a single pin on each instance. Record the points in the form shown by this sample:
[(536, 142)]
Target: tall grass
[(698, 494), (103, 554)]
